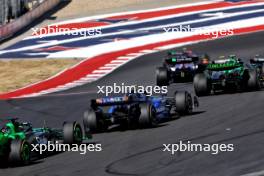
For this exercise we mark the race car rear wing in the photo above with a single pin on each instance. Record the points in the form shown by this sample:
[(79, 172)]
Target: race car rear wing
[(110, 101), (257, 61), (223, 66), (177, 60), (223, 61)]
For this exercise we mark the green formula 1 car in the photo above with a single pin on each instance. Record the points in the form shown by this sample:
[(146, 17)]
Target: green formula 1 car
[(227, 75), (16, 139)]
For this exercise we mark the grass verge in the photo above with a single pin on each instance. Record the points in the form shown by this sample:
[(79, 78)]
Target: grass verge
[(16, 74)]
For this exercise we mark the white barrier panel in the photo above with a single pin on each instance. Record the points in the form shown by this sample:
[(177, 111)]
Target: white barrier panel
[(11, 28)]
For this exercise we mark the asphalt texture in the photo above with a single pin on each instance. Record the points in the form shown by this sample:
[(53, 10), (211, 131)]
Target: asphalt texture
[(227, 118)]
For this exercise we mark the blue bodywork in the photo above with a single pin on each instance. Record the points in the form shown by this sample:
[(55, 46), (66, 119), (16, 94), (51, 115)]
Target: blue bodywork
[(114, 104)]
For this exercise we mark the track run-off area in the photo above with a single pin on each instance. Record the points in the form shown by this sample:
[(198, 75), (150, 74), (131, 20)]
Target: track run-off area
[(125, 36), (228, 118)]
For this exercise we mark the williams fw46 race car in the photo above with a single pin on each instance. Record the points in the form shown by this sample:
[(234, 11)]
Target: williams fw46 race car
[(180, 67), (258, 63), (228, 75), (16, 140), (136, 110)]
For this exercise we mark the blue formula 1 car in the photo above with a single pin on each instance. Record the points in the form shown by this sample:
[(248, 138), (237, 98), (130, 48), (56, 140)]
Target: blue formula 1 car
[(180, 67), (136, 109)]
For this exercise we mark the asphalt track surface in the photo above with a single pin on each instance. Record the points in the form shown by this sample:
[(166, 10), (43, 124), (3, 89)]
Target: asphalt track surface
[(228, 118)]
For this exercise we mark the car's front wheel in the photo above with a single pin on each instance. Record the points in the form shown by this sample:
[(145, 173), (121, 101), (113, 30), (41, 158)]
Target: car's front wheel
[(72, 133), (201, 85), (183, 102)]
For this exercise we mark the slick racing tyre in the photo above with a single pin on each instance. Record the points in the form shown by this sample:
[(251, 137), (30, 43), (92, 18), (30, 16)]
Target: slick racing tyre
[(93, 122), (162, 76), (183, 102), (253, 82), (147, 116), (72, 133), (201, 85), (19, 152)]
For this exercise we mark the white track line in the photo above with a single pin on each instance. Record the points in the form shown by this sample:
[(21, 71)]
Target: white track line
[(101, 71), (118, 61), (106, 68), (125, 58), (113, 65), (259, 173), (88, 76)]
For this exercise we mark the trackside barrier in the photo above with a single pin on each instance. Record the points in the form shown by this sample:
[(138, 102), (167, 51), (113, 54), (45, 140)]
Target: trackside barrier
[(10, 29)]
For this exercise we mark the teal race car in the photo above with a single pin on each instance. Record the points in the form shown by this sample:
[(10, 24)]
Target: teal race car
[(229, 75), (16, 139), (258, 63)]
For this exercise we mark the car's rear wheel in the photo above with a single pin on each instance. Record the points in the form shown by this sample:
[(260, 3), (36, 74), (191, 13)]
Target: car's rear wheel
[(201, 85), (93, 122), (162, 76), (72, 133), (253, 82), (19, 152), (147, 116), (183, 102)]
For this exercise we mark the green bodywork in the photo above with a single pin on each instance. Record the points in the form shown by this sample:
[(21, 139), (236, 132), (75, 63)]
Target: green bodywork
[(172, 52), (229, 73), (8, 135), (229, 67), (173, 59)]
